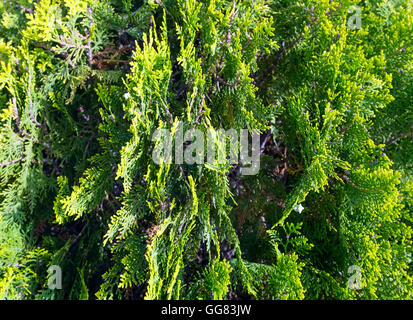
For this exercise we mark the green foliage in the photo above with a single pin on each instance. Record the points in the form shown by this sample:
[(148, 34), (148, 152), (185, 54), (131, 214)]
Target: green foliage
[(85, 85)]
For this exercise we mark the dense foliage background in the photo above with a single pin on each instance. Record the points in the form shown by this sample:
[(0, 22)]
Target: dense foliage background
[(84, 85)]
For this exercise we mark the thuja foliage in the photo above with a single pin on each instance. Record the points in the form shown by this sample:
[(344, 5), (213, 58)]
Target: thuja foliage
[(86, 83)]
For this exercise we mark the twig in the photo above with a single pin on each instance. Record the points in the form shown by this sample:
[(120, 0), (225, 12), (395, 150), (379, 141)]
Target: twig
[(292, 44), (87, 145), (75, 240), (26, 10), (200, 113), (228, 36), (16, 112), (345, 177), (281, 53), (219, 79), (29, 96), (267, 137), (89, 44), (20, 129), (43, 46), (191, 104), (397, 138), (167, 110), (110, 61), (231, 19), (3, 164), (70, 45)]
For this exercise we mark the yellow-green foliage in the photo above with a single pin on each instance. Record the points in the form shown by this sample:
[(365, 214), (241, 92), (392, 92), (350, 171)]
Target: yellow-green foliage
[(85, 84)]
